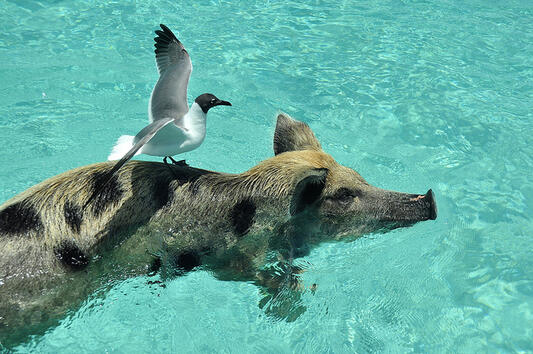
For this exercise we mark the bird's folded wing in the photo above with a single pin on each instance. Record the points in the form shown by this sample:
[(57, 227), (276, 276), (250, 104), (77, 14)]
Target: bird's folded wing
[(144, 136), (169, 97)]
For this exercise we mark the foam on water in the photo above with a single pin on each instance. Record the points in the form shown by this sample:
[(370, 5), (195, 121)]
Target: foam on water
[(412, 94)]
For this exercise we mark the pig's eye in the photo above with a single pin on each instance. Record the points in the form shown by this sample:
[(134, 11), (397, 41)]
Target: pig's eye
[(345, 195)]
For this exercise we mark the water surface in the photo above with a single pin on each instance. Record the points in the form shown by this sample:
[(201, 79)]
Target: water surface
[(411, 94)]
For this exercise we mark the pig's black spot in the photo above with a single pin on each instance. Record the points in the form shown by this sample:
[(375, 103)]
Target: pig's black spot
[(72, 215), (70, 255), (242, 216), (162, 192), (106, 195), (19, 218), (188, 260), (184, 178)]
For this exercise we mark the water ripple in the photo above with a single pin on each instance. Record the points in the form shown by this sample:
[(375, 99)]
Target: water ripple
[(412, 94)]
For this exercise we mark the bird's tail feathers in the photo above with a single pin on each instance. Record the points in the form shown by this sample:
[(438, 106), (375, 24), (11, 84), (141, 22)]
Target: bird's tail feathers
[(123, 145)]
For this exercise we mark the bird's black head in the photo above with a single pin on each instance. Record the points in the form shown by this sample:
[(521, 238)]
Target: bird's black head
[(208, 100)]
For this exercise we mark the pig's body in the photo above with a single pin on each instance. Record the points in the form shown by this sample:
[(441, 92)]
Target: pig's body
[(152, 218)]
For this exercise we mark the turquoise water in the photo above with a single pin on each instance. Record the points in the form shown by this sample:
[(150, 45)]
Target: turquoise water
[(411, 94)]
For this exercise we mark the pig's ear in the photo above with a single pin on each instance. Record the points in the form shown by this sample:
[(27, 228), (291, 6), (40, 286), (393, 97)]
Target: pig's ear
[(291, 135), (308, 189)]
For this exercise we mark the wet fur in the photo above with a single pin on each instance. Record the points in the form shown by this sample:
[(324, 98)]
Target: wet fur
[(154, 217)]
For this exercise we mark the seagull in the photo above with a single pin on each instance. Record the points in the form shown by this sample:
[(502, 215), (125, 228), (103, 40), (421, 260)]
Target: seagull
[(174, 127)]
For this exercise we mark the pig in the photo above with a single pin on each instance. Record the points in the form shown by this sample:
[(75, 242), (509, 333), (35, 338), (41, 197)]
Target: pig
[(153, 219)]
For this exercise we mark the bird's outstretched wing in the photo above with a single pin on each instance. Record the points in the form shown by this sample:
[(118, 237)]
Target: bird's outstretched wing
[(169, 97), (144, 136)]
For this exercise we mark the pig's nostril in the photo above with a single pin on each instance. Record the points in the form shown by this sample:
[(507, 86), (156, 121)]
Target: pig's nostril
[(430, 197), (417, 198)]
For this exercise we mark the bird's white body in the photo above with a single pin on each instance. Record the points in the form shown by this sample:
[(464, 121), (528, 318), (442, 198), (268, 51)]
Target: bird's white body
[(170, 140), (174, 127)]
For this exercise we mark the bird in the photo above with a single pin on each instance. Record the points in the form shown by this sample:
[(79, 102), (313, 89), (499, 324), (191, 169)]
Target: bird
[(174, 127)]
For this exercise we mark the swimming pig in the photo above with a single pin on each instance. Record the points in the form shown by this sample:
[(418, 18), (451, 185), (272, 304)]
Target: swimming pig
[(153, 218)]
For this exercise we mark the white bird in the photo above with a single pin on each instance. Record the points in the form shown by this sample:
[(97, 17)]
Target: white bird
[(173, 128)]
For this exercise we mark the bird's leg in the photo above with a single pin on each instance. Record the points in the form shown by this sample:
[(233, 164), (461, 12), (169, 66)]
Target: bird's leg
[(169, 165), (178, 163)]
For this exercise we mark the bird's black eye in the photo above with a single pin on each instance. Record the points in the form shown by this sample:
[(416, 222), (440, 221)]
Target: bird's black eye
[(213, 101)]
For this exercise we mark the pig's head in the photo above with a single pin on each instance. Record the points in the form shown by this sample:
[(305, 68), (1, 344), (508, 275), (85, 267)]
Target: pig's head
[(335, 196)]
